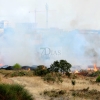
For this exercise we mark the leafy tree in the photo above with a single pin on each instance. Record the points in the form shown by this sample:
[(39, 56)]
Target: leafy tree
[(55, 67), (60, 66), (64, 66), (17, 66)]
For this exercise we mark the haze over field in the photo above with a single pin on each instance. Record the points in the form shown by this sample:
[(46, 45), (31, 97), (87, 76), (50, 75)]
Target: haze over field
[(65, 37)]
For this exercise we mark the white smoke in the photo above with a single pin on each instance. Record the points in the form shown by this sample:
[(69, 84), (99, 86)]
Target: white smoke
[(25, 48)]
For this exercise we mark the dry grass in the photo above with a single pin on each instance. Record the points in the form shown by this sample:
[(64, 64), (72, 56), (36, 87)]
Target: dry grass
[(36, 85), (5, 80)]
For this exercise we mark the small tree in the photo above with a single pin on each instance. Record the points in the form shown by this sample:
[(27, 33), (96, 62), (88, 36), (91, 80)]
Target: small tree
[(73, 83), (17, 66), (60, 66)]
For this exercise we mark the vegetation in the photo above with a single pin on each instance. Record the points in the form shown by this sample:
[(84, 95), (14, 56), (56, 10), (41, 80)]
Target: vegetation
[(54, 93), (41, 70), (14, 92), (14, 73), (61, 66), (94, 74), (73, 83), (17, 66), (86, 93), (98, 79), (84, 72), (55, 74), (53, 77), (22, 73)]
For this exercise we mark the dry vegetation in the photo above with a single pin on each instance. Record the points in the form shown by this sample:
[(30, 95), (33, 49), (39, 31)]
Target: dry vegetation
[(36, 86)]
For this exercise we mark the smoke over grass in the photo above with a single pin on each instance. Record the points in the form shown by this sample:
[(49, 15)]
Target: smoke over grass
[(43, 46)]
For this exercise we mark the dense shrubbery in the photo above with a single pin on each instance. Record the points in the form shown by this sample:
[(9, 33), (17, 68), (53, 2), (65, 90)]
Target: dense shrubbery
[(41, 70), (22, 73), (14, 92), (98, 79), (53, 77), (93, 74)]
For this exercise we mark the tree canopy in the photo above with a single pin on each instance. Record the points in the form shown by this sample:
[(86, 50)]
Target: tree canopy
[(60, 66)]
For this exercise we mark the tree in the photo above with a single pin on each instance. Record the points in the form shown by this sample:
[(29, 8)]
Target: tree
[(60, 66), (17, 66), (64, 66), (55, 67)]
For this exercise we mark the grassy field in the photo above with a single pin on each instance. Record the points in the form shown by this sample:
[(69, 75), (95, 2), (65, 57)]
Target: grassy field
[(36, 86)]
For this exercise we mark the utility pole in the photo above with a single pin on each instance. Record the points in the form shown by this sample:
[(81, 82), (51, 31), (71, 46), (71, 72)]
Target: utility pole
[(35, 11)]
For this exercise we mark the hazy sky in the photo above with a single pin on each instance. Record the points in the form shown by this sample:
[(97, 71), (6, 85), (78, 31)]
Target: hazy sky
[(69, 15), (65, 14)]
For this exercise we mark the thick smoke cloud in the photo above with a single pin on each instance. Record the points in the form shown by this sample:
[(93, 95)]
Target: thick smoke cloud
[(63, 42), (41, 47), (92, 48)]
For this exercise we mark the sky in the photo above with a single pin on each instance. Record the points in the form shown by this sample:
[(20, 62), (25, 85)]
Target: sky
[(69, 40), (64, 14)]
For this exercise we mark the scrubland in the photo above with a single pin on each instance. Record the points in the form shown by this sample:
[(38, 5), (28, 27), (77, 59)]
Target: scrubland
[(39, 88)]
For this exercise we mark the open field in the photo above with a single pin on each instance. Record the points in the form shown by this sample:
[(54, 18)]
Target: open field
[(36, 86)]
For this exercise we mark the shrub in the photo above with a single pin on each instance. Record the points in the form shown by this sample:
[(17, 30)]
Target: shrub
[(41, 70), (22, 73), (93, 74), (49, 78), (14, 92), (17, 66), (98, 79), (53, 77)]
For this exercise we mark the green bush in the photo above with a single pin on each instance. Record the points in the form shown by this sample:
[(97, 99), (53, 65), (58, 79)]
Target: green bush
[(98, 79), (14, 92), (17, 66), (41, 70)]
